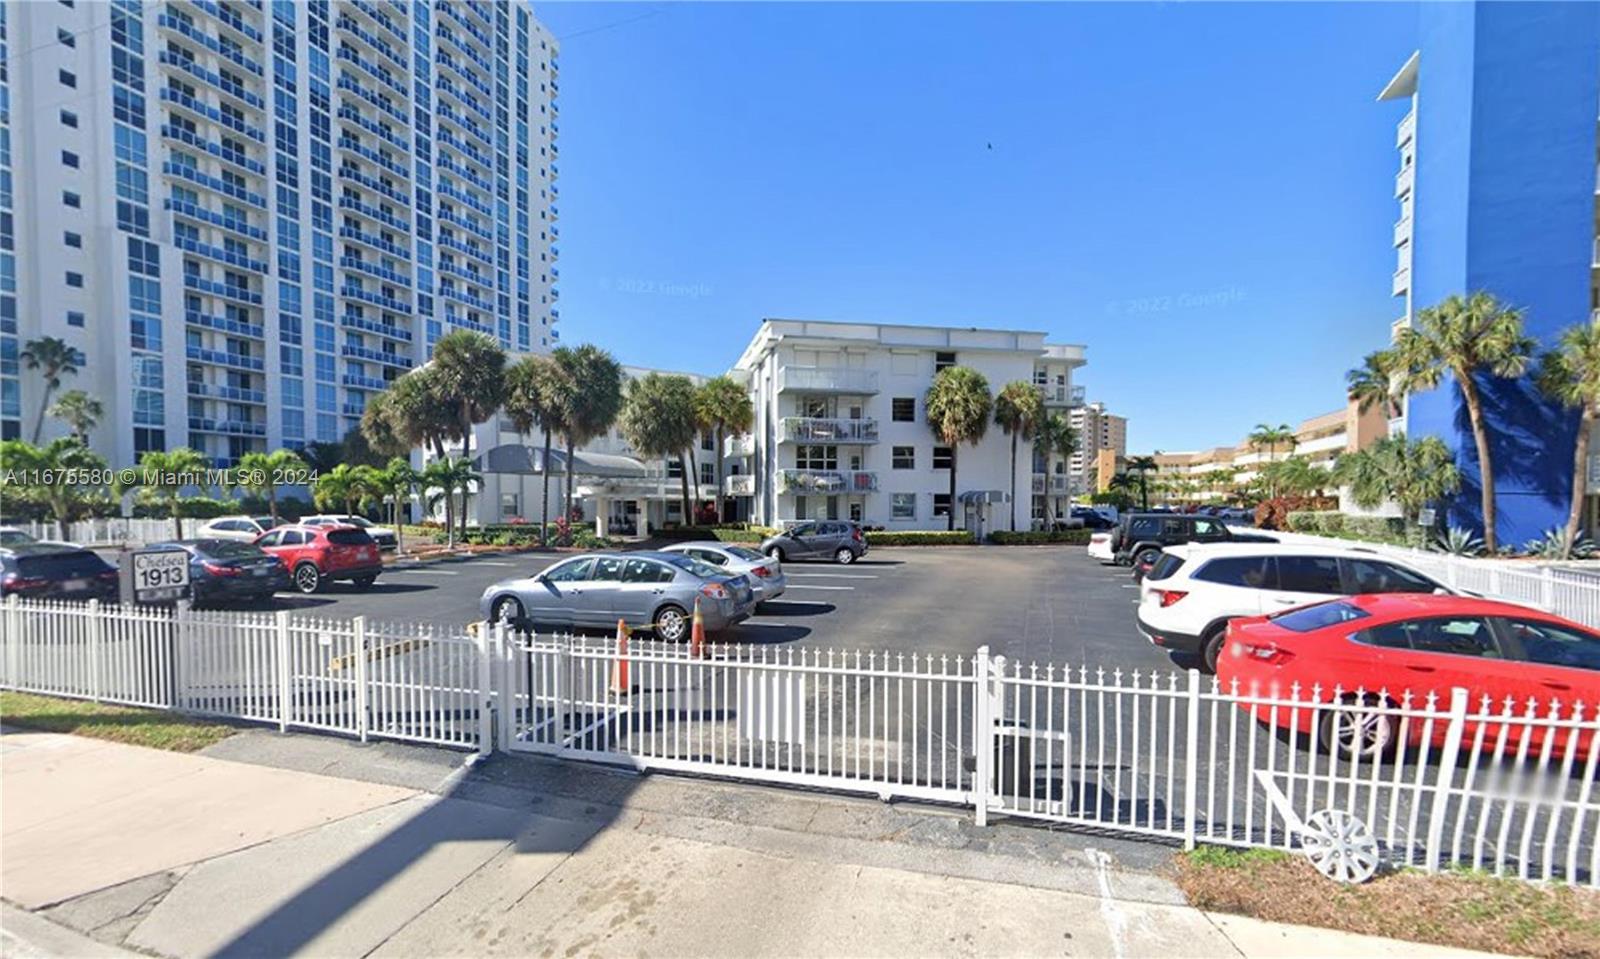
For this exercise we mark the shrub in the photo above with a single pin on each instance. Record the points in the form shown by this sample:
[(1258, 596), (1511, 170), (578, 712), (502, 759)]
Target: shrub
[(1273, 513), (1316, 522), (727, 533), (920, 537), (1382, 529), (1004, 537)]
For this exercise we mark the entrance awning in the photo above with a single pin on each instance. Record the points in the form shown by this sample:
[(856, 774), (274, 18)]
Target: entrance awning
[(973, 497), (520, 459)]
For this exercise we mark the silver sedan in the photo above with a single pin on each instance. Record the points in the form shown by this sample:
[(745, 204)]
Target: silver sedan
[(765, 573), (647, 590)]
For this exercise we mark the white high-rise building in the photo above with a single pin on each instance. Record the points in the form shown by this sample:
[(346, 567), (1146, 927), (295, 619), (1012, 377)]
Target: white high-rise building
[(249, 217)]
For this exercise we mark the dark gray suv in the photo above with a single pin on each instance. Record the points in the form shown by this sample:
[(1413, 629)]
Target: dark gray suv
[(836, 539)]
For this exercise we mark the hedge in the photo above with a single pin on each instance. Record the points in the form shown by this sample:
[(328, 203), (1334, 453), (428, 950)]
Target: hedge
[(1003, 537), (1372, 529), (726, 533), (920, 537)]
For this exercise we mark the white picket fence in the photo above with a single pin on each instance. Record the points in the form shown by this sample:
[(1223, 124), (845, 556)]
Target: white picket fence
[(1503, 786), (110, 531), (1572, 593)]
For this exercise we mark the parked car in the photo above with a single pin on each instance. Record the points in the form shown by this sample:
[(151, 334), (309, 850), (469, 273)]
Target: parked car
[(1142, 535), (1092, 518), (55, 571), (240, 529), (1373, 647), (11, 536), (1100, 547), (839, 540), (225, 571), (316, 554), (765, 573), (382, 535), (646, 590), (1193, 590)]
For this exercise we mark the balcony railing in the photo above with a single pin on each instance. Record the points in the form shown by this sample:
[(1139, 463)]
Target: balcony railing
[(739, 445), (1403, 181), (808, 429), (1402, 280), (1402, 230), (740, 484), (824, 379), (1407, 128), (827, 481)]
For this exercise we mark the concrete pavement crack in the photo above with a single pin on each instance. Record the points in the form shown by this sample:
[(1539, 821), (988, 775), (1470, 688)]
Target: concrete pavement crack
[(509, 844)]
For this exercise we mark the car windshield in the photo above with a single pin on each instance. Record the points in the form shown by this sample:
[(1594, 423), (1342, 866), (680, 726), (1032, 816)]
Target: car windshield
[(265, 522), (62, 565), (349, 537), (360, 521), (1309, 618), (11, 536), (695, 566), (745, 552), (227, 549)]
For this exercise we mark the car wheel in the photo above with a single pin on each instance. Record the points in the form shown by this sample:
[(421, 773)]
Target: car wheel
[(672, 624), (776, 553), (364, 582), (1148, 556), (1211, 649), (307, 578), (1363, 731), (506, 609), (844, 556)]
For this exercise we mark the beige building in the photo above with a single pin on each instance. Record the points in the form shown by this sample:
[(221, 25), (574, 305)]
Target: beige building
[(1107, 464), (1098, 431)]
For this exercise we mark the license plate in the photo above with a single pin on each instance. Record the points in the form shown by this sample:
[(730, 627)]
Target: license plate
[(260, 571), (365, 553), (75, 584)]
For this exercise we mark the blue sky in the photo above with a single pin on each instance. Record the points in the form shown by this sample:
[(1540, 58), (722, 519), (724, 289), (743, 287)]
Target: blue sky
[(1201, 193)]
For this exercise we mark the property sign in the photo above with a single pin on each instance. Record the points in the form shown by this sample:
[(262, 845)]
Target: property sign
[(158, 575)]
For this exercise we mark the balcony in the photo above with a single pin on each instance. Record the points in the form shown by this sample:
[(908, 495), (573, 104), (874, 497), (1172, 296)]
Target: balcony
[(233, 393), (825, 379), (223, 358), (1404, 181), (1402, 230), (376, 356), (808, 429), (360, 382), (376, 299), (1406, 130), (739, 445), (224, 325), (740, 484), (373, 326), (827, 481), (1402, 281), (202, 424)]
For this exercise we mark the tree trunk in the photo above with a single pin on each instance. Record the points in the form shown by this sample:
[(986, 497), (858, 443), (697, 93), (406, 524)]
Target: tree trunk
[(721, 493), (950, 517), (1480, 437), (399, 527), (683, 480), (466, 431), (449, 518), (177, 519), (694, 465), (38, 421), (544, 467), (1580, 477), (566, 504), (1014, 484)]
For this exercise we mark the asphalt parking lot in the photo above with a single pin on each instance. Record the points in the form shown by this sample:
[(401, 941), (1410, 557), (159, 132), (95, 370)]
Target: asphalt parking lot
[(1030, 603)]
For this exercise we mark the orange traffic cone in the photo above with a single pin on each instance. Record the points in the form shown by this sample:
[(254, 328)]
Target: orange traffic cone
[(697, 634), (619, 666)]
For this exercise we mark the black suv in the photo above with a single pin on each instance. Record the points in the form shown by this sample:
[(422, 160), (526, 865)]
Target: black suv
[(55, 571), (1139, 537)]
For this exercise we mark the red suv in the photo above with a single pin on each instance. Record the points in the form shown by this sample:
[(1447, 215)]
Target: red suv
[(316, 554)]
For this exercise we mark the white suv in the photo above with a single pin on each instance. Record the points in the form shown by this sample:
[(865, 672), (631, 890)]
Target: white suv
[(1187, 598)]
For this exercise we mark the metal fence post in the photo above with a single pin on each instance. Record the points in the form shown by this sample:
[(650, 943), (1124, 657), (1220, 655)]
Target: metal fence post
[(982, 736), (505, 698), (1191, 765), (359, 624), (485, 691), (94, 614), (1547, 588), (1445, 779), (13, 640), (282, 624)]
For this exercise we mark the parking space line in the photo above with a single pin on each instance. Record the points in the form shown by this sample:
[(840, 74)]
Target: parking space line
[(833, 575), (796, 602), (810, 586), (490, 562), (430, 572)]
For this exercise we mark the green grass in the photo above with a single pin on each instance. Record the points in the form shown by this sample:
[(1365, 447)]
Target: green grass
[(1227, 857), (154, 728)]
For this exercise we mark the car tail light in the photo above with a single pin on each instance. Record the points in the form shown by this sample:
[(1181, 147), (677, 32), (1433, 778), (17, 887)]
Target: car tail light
[(714, 590), (15, 581), (1099, 537), (216, 569), (1169, 596), (1261, 652), (855, 534), (761, 571), (109, 574)]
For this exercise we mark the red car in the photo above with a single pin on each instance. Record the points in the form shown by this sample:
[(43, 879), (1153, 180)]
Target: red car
[(317, 554), (1385, 644)]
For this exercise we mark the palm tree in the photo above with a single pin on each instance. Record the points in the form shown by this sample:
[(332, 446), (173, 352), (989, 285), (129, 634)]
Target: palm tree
[(1055, 437), (397, 480), (1570, 375), (348, 486), (261, 473), (595, 402), (166, 474), (725, 409), (1143, 466), (80, 411), (1268, 436), (659, 419), (1465, 337), (1018, 411), (378, 427), (450, 476), (1124, 484), (1410, 473), (958, 405), (539, 394), (55, 359), (416, 411), (67, 501), (468, 373), (1372, 384)]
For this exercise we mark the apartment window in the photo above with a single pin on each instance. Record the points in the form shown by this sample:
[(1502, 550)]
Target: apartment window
[(69, 119), (817, 457), (67, 78), (905, 457), (74, 318), (708, 474), (71, 199), (68, 158), (942, 360), (943, 458), (904, 409), (941, 504), (66, 37), (903, 506), (74, 240), (75, 279)]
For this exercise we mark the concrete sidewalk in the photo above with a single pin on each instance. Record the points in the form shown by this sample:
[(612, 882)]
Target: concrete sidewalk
[(409, 852)]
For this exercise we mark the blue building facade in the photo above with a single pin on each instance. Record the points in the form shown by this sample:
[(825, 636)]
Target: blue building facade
[(1506, 105)]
